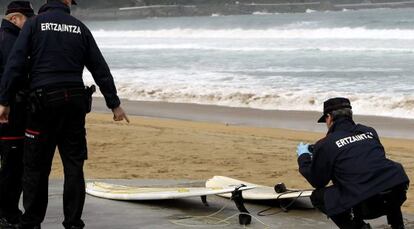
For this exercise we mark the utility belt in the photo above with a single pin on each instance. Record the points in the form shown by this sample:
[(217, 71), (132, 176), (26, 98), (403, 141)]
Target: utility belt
[(40, 98)]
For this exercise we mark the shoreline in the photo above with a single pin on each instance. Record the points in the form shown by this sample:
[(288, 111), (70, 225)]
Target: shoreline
[(290, 120)]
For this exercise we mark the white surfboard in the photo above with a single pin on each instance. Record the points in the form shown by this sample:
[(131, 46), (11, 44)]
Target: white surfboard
[(259, 193), (121, 192)]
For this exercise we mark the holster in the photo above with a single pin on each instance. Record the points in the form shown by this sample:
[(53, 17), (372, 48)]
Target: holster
[(36, 101), (89, 92)]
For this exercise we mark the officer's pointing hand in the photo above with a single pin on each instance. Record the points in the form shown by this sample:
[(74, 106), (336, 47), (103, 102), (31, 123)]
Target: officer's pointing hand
[(4, 114), (119, 114)]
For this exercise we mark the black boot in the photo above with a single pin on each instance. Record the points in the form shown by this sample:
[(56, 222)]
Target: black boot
[(19, 226), (5, 224), (366, 226)]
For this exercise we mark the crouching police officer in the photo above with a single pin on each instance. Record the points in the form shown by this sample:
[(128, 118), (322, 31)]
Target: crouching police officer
[(366, 184), (59, 46), (12, 134)]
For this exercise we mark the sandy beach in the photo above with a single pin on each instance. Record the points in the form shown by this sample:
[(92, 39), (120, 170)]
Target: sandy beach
[(198, 148)]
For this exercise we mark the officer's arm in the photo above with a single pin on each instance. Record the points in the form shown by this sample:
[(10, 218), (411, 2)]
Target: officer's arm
[(1, 64), (16, 64), (5, 52), (97, 65), (305, 165), (316, 169)]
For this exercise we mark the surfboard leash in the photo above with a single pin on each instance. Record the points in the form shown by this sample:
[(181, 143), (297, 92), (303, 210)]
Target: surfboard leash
[(215, 221), (282, 207), (205, 219)]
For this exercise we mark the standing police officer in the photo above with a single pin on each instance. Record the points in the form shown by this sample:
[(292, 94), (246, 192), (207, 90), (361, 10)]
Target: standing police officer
[(366, 184), (12, 134), (59, 46)]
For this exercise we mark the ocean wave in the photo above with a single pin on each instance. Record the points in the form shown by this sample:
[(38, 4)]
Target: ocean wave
[(389, 105), (310, 11), (253, 49), (263, 13), (276, 33)]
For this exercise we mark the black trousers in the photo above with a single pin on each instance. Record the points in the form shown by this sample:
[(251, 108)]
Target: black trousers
[(11, 170), (58, 119), (386, 203), (11, 162)]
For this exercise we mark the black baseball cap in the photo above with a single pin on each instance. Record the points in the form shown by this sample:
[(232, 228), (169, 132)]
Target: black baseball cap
[(73, 1), (23, 7), (333, 105)]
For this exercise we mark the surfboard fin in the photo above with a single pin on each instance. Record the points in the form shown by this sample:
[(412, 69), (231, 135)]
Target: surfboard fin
[(204, 200), (237, 197)]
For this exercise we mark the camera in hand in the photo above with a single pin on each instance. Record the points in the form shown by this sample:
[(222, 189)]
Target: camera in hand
[(311, 148), (280, 188)]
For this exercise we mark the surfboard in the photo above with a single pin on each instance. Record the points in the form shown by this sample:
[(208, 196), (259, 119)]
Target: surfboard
[(121, 192), (261, 192)]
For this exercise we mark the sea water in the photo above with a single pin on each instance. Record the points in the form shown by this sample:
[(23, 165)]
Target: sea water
[(266, 61)]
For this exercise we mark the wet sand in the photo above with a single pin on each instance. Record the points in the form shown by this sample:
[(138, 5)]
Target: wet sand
[(251, 145), (293, 120)]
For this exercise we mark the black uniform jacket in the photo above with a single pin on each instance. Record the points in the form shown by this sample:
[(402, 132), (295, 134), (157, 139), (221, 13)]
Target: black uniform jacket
[(59, 47), (8, 35), (353, 158), (14, 130)]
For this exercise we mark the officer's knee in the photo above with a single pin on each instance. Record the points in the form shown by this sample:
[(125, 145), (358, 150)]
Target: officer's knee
[(317, 199), (74, 173), (317, 196)]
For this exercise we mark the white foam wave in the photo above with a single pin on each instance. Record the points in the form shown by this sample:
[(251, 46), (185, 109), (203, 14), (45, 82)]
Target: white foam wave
[(276, 33), (321, 70), (263, 13), (389, 105), (365, 104), (310, 11), (253, 49)]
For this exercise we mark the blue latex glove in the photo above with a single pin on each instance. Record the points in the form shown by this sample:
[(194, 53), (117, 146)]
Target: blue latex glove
[(302, 149)]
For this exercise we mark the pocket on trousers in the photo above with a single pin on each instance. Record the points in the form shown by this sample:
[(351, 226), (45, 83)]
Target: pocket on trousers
[(9, 150), (33, 149), (77, 144)]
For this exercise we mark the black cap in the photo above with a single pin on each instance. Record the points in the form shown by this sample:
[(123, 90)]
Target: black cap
[(333, 105), (73, 1), (23, 7)]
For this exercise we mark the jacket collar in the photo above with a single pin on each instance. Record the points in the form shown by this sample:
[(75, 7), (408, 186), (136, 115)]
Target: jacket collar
[(54, 5), (10, 27), (344, 124)]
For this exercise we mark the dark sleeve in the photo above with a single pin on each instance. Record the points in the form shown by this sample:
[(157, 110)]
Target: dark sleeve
[(1, 63), (16, 67), (4, 53), (316, 169), (99, 69)]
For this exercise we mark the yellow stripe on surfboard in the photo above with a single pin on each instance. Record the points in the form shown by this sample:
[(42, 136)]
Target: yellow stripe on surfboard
[(120, 189)]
